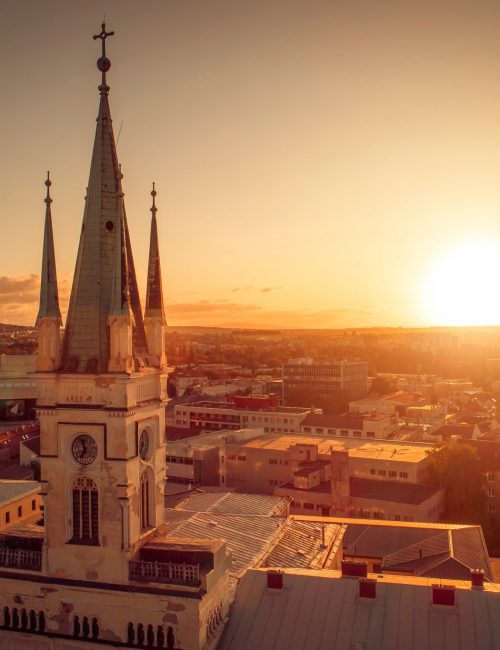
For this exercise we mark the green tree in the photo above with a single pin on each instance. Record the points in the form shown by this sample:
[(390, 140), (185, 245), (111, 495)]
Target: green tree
[(457, 468)]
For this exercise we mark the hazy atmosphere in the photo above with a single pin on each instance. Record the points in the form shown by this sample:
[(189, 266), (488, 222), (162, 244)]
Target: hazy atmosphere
[(318, 164)]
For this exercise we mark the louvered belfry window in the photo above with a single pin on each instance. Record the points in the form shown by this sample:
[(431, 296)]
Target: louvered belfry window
[(85, 512)]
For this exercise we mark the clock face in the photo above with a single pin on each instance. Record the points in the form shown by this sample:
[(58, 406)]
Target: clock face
[(144, 445), (84, 450)]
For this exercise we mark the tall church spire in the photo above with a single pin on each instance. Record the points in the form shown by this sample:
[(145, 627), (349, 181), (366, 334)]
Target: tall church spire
[(104, 236), (154, 315), (48, 321)]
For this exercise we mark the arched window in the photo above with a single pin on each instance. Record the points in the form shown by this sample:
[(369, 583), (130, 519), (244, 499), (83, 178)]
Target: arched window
[(85, 512), (146, 500)]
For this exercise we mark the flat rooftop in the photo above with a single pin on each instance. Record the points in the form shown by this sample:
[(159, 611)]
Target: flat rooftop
[(379, 449), (232, 407)]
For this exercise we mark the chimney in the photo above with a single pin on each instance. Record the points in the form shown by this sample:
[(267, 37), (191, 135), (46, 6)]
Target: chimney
[(477, 578), (275, 579), (354, 568), (443, 595), (367, 588)]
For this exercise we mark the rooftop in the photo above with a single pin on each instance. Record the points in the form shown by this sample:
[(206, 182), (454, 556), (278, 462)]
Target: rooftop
[(13, 490), (247, 522), (358, 448), (392, 491), (424, 550), (320, 610)]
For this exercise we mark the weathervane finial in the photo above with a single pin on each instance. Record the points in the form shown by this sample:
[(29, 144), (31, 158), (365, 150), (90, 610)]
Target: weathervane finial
[(103, 63), (48, 183), (154, 209)]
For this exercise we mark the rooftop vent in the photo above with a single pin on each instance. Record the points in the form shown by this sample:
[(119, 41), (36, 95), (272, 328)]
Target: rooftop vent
[(477, 578), (443, 595), (367, 588), (354, 568), (275, 579), (212, 523)]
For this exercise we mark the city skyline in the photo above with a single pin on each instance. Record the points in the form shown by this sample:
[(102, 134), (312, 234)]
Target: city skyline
[(319, 166)]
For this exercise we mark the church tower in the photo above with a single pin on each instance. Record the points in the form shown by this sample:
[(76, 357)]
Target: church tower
[(101, 403), (103, 569)]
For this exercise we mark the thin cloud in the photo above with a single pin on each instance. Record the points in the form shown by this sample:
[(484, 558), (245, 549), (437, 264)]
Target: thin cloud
[(268, 289), (19, 296), (246, 288)]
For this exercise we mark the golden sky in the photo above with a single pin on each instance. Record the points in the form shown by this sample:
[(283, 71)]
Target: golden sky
[(318, 163)]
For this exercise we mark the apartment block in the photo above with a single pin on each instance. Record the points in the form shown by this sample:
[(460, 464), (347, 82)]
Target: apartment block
[(335, 378)]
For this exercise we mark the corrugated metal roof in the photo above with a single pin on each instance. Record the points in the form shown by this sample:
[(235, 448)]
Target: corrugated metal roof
[(11, 490), (300, 544), (422, 551), (236, 503), (248, 536), (320, 611)]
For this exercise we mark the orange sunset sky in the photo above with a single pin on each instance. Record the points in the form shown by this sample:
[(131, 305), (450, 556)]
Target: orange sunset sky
[(318, 163)]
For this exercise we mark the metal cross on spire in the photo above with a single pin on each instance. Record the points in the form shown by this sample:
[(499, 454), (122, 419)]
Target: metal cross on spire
[(103, 63)]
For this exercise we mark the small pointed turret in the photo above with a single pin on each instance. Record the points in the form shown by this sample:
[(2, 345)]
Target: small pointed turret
[(48, 321), (154, 315)]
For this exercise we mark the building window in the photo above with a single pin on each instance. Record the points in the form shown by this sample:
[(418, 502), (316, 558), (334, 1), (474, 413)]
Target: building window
[(491, 507), (7, 517), (33, 504), (308, 506), (85, 512), (491, 492), (392, 473), (490, 476), (273, 481), (19, 511), (403, 474), (356, 434), (242, 457), (273, 461), (381, 472), (370, 434), (344, 433), (373, 472), (307, 429), (146, 500), (231, 456)]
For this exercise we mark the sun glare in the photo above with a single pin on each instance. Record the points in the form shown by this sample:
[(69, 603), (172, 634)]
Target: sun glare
[(460, 288)]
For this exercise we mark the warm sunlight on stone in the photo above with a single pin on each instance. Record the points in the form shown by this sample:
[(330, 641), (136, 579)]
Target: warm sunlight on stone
[(459, 286)]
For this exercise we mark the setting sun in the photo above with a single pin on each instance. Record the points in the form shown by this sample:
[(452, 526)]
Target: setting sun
[(459, 287)]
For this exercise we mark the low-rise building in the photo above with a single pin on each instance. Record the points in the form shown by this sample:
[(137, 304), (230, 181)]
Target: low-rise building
[(365, 425), (201, 459), (349, 477), (243, 412), (19, 501)]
